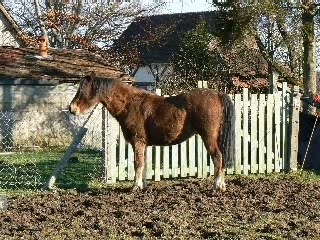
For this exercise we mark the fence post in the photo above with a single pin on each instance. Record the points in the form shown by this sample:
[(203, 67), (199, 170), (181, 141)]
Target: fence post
[(284, 126), (273, 80), (107, 169), (293, 130), (157, 160), (104, 144)]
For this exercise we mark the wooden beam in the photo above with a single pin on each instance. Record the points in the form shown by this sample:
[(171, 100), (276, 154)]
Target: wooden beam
[(65, 159)]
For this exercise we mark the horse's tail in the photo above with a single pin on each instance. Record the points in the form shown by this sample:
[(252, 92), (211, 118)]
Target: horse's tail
[(227, 134)]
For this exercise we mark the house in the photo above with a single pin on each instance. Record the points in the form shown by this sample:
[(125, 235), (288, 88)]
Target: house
[(10, 33), (35, 94), (157, 37)]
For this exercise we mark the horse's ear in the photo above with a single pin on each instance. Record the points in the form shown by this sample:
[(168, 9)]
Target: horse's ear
[(90, 77)]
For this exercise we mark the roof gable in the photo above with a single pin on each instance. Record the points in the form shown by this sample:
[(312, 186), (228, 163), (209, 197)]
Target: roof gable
[(175, 25), (169, 27)]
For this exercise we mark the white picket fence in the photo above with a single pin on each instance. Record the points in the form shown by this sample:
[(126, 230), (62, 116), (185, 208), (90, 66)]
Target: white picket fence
[(264, 136)]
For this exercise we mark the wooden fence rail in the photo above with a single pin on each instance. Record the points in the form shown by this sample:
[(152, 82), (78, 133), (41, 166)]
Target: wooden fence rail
[(264, 143)]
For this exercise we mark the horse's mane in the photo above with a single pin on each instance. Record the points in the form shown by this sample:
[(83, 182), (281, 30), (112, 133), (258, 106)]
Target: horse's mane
[(101, 85)]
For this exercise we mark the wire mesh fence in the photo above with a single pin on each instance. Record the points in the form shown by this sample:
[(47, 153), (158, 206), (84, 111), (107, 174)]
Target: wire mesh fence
[(35, 134)]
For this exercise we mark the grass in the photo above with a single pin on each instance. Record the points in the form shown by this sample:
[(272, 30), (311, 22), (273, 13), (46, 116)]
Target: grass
[(26, 172)]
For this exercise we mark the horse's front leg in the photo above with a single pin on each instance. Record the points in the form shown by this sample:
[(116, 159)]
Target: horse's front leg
[(139, 165)]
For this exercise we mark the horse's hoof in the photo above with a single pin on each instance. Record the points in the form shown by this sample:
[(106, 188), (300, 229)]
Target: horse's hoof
[(136, 188), (219, 189), (219, 185), (144, 186)]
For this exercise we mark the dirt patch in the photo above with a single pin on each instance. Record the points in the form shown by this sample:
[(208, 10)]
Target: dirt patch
[(251, 208)]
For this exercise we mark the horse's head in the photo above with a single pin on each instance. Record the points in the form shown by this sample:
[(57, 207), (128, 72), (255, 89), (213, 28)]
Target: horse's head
[(85, 98)]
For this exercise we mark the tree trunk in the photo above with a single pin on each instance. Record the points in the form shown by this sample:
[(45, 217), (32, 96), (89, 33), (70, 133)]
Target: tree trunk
[(309, 55)]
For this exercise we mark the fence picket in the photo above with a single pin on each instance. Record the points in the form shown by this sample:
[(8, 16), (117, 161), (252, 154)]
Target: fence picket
[(199, 156), (261, 126), (166, 158), (269, 133), (230, 170), (114, 134), (175, 160), (122, 157), (157, 173), (183, 159), (149, 165), (253, 133), (130, 162), (192, 155), (277, 139), (245, 128), (205, 168), (285, 123), (238, 133)]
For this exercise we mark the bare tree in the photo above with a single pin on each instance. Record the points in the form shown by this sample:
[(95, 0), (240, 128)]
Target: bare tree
[(77, 25), (285, 33)]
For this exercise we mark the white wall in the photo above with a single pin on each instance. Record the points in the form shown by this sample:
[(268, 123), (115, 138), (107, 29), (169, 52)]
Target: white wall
[(34, 116), (144, 74)]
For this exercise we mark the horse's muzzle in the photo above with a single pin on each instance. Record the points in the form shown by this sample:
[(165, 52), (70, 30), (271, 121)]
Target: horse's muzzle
[(73, 110), (70, 110)]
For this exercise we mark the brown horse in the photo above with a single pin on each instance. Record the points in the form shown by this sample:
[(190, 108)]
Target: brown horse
[(148, 119)]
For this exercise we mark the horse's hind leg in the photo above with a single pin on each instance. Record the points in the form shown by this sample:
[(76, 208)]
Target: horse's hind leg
[(216, 155), (219, 182), (139, 165)]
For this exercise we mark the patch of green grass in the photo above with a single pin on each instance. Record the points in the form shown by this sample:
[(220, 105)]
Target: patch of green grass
[(25, 172)]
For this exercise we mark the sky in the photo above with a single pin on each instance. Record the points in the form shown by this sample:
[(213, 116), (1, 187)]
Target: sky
[(179, 6), (173, 6)]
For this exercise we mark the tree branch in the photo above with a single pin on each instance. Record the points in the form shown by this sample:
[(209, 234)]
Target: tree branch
[(38, 16), (78, 13), (266, 55)]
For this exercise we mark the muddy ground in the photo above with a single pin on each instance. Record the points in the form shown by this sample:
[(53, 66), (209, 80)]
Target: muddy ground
[(251, 208)]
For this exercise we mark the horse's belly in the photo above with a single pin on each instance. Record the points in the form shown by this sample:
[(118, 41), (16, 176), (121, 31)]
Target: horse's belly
[(169, 134)]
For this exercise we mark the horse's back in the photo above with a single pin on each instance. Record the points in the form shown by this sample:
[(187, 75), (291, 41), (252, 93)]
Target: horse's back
[(203, 101), (176, 118), (206, 110)]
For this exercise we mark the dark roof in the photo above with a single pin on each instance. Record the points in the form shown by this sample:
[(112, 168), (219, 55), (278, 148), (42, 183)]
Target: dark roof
[(22, 64), (17, 32), (173, 24), (161, 50)]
